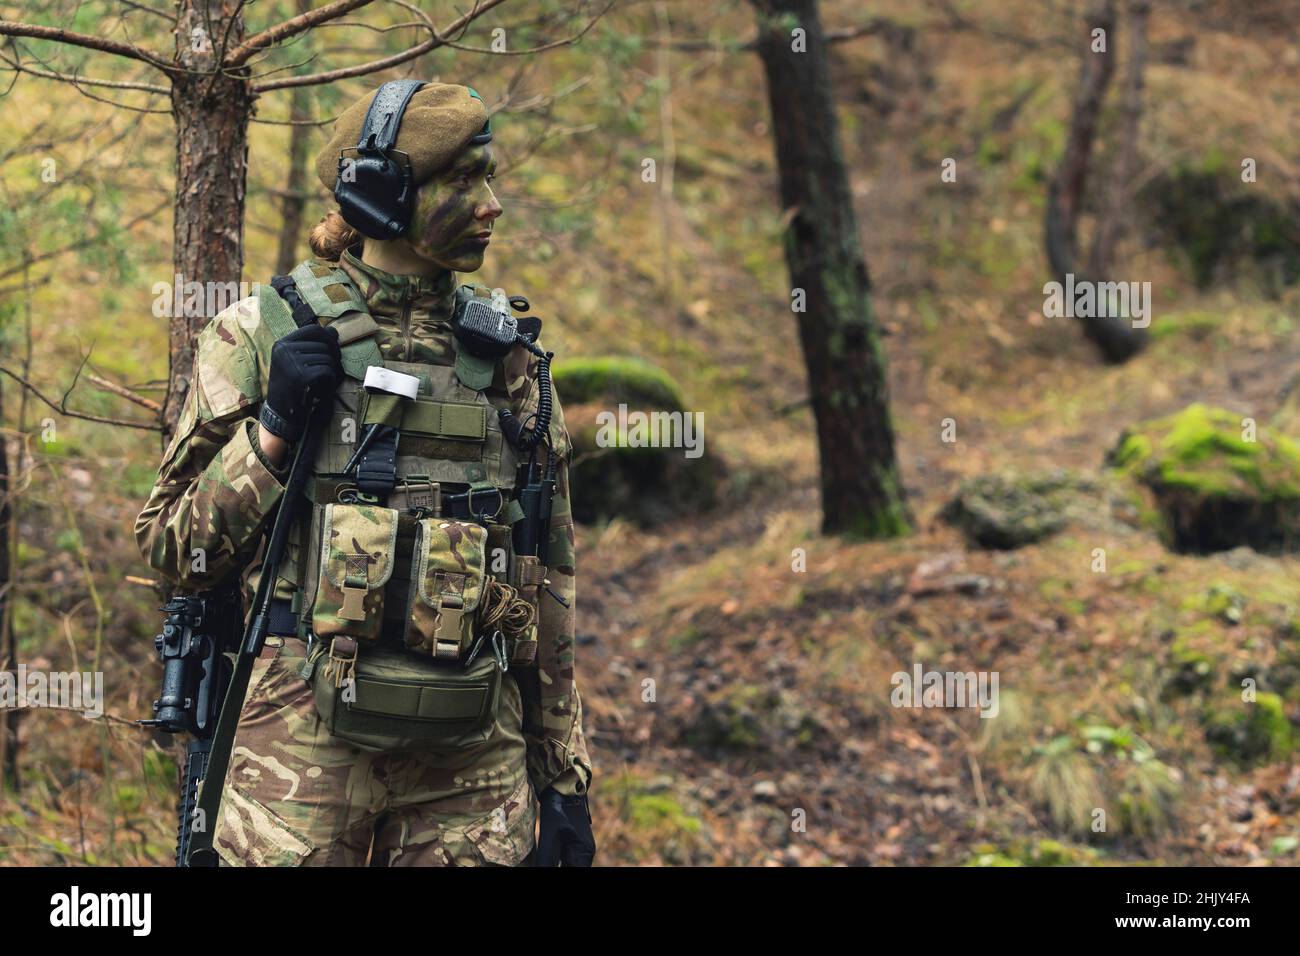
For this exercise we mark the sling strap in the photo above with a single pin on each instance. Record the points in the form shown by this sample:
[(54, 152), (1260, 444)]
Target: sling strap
[(283, 308)]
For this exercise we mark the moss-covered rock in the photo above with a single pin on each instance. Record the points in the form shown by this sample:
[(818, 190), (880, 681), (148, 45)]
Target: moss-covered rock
[(752, 717), (629, 462), (1010, 511), (1250, 732), (634, 382), (1210, 487)]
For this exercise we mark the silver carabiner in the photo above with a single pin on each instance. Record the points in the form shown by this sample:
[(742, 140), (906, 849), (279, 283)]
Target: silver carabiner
[(499, 648)]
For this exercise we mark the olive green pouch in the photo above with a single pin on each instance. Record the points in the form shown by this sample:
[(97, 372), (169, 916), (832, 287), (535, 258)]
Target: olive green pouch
[(358, 542), (397, 701), (448, 578)]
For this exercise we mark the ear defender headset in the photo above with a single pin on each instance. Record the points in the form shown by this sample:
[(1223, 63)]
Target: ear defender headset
[(376, 196)]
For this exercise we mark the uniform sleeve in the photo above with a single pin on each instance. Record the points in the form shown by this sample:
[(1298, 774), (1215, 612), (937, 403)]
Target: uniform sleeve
[(557, 749), (560, 757), (215, 488)]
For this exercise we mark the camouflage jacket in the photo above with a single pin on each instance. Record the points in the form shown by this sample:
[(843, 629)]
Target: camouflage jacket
[(216, 489)]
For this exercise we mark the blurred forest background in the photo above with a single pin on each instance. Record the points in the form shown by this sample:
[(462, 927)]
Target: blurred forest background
[(1109, 529)]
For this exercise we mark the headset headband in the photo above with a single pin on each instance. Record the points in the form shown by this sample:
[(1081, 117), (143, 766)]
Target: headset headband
[(384, 118)]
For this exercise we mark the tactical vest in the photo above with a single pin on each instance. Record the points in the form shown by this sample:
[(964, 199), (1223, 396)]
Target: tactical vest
[(391, 594)]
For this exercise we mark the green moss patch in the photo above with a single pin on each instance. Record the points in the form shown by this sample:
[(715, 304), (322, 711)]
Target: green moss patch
[(614, 379), (1213, 485)]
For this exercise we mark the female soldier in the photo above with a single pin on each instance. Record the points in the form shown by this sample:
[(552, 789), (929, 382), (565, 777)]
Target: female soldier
[(378, 728)]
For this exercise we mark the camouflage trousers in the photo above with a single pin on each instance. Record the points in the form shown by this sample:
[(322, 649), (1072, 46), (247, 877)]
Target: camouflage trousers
[(296, 796)]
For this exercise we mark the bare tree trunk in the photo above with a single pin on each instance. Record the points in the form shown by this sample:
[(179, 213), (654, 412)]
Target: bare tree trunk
[(295, 186), (861, 493), (1114, 220), (211, 111), (8, 719), (1117, 339)]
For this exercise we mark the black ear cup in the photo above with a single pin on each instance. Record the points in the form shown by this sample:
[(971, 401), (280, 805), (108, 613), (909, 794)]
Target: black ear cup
[(376, 202), (372, 188)]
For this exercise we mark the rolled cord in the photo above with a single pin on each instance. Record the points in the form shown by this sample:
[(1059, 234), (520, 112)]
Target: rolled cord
[(527, 439)]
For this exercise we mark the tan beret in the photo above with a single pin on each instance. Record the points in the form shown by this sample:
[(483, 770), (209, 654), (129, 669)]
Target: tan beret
[(438, 122)]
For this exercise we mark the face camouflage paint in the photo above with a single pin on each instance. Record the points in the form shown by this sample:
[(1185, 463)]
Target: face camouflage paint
[(455, 212)]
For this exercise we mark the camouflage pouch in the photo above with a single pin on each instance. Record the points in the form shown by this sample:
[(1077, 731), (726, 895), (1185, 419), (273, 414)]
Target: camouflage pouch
[(394, 700), (448, 577), (358, 542)]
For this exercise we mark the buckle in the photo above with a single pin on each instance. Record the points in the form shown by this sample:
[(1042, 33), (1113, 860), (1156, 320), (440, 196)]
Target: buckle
[(482, 516), (351, 495), (342, 662), (421, 497)]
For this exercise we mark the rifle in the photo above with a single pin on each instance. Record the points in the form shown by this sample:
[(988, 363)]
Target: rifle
[(196, 632), (196, 673)]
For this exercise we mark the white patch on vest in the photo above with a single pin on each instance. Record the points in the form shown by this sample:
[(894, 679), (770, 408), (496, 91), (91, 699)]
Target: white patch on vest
[(383, 379)]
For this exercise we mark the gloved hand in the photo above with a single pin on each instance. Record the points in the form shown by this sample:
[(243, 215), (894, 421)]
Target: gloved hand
[(565, 837), (305, 364)]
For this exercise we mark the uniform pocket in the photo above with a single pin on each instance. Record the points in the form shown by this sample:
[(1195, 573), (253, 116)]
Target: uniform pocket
[(398, 701), (356, 561), (251, 835), (505, 836), (448, 576)]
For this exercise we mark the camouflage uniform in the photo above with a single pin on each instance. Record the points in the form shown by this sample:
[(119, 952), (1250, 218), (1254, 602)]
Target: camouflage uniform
[(295, 795)]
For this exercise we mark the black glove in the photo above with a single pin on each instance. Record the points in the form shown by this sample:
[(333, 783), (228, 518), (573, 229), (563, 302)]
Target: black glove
[(305, 364), (565, 837)]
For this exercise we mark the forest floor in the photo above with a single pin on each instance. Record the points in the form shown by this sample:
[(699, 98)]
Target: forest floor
[(772, 685)]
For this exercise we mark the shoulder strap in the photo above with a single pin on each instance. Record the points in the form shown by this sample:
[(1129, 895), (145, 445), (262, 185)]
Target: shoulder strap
[(313, 291), (327, 289)]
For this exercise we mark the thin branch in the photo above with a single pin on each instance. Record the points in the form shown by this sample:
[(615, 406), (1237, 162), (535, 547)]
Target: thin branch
[(287, 66), (564, 41), (147, 9), (293, 122), (225, 38), (61, 405), (291, 27), (124, 392), (314, 79), (6, 289), (103, 44), (72, 78), (541, 100)]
